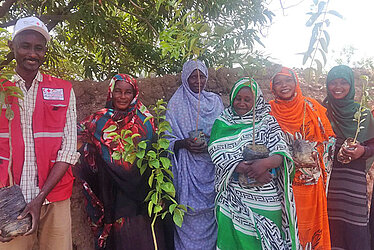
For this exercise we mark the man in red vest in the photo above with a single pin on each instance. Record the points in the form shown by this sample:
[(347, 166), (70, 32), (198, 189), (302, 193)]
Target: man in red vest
[(44, 140)]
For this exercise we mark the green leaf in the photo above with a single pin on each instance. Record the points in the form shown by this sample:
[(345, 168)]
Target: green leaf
[(129, 140), (178, 217), (143, 168), (321, 6), (165, 162), (154, 198), (116, 155), (125, 132), (139, 163), (327, 37), (131, 158), (164, 143), (147, 119), (111, 128), (319, 66), (168, 187), (335, 13), (135, 135), (183, 207), (323, 44), (142, 145), (168, 171), (323, 56), (150, 193), (154, 163), (112, 134), (157, 209), (150, 208), (312, 19), (172, 207), (164, 214), (152, 154), (150, 180), (140, 154)]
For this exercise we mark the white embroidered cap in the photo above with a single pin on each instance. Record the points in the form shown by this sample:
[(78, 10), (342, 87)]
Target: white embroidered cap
[(31, 23)]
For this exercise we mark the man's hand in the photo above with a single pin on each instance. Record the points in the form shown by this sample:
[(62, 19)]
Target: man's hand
[(32, 208), (3, 239)]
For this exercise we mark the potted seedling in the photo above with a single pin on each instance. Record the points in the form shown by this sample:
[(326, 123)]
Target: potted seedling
[(12, 201), (161, 197), (252, 151), (359, 117)]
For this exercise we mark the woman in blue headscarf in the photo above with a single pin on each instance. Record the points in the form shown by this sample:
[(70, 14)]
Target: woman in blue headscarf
[(192, 167)]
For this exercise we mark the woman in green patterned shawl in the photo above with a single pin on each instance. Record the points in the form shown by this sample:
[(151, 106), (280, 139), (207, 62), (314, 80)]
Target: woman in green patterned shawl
[(261, 216)]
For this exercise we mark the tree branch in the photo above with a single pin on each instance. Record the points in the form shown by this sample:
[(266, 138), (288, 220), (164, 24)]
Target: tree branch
[(138, 16), (4, 8)]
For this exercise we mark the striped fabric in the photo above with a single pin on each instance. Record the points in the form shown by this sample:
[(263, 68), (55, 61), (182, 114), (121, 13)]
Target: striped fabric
[(260, 217)]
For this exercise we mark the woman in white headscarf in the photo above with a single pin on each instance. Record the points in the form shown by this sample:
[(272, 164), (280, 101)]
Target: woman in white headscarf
[(192, 167)]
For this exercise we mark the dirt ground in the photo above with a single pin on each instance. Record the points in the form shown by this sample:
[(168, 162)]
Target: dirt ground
[(91, 96)]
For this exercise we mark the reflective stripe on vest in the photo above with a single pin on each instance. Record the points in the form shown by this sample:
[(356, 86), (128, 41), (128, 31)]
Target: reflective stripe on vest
[(4, 135), (48, 134)]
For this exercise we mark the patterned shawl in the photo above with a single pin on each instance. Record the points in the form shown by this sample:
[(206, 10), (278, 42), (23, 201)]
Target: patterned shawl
[(230, 134), (111, 185), (193, 173), (291, 114), (91, 129), (341, 112)]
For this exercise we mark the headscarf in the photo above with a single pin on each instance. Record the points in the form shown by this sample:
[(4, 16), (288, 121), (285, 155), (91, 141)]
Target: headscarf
[(193, 173), (183, 105), (230, 134), (290, 113), (131, 119), (114, 189), (341, 111), (230, 117)]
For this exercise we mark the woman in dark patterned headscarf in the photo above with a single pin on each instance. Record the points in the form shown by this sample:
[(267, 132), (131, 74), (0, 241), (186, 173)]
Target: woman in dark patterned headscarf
[(346, 199), (115, 190)]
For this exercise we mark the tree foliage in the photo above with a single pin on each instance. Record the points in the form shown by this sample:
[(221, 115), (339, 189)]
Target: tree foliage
[(98, 38), (319, 21)]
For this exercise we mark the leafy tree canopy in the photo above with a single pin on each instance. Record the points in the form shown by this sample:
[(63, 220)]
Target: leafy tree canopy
[(97, 38)]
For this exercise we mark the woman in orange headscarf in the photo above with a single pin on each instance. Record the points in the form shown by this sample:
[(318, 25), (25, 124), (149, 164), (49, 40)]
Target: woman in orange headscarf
[(300, 116)]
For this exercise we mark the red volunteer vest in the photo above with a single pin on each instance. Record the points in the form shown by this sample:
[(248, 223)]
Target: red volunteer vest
[(49, 117)]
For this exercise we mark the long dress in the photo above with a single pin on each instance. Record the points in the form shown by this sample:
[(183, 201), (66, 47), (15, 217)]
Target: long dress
[(346, 199), (115, 190), (305, 115), (259, 217), (193, 173)]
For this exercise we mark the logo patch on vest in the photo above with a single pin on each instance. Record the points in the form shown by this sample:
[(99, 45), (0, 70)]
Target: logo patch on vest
[(53, 94)]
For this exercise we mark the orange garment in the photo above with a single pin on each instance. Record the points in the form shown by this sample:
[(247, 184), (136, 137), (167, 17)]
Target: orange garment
[(311, 202)]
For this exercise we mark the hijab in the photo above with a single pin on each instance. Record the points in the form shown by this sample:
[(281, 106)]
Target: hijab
[(341, 112), (292, 114)]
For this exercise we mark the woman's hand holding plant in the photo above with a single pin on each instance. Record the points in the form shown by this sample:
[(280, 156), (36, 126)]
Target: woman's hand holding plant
[(354, 151), (260, 166)]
